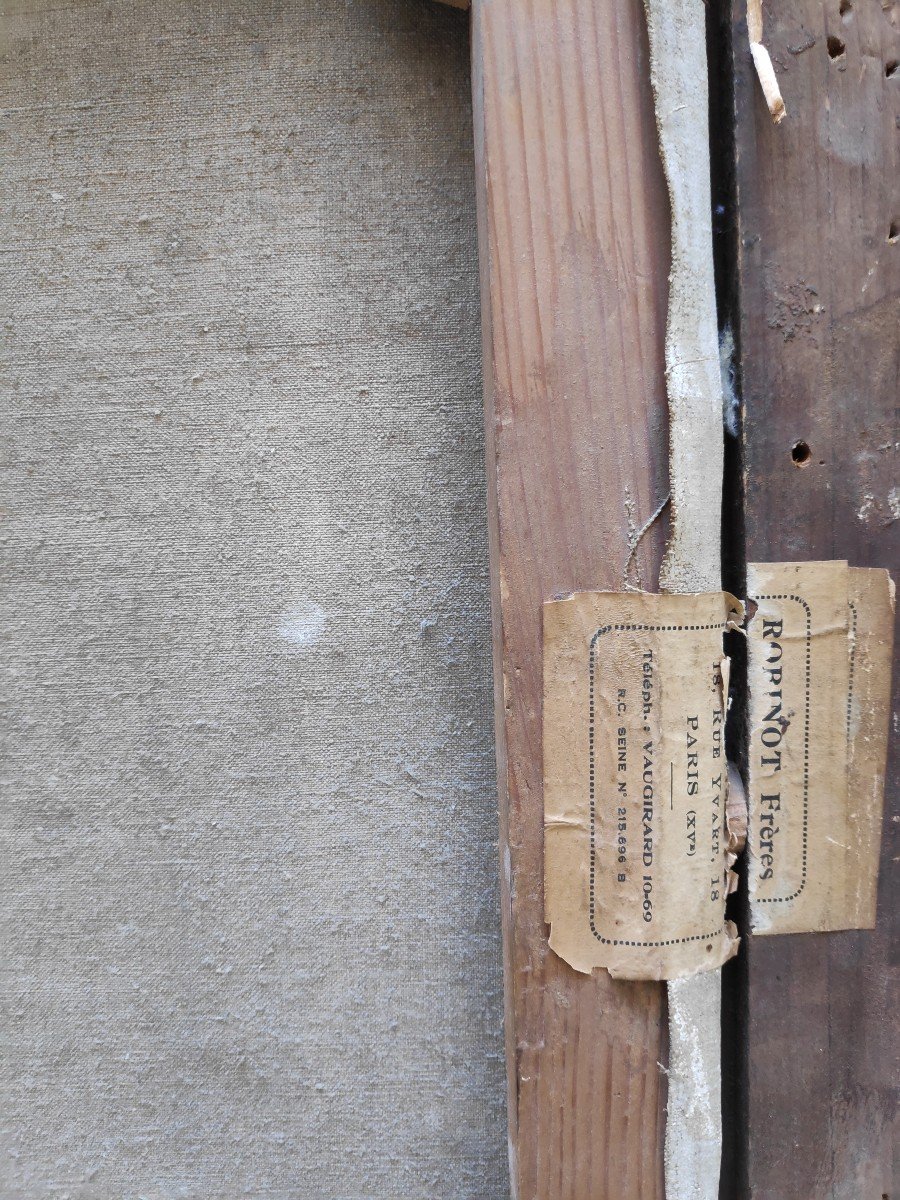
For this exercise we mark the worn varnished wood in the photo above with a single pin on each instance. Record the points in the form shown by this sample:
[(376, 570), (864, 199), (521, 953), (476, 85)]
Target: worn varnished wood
[(575, 251), (820, 311)]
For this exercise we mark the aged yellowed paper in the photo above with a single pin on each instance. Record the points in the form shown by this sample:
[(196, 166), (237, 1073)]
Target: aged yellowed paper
[(870, 598), (635, 782), (820, 637)]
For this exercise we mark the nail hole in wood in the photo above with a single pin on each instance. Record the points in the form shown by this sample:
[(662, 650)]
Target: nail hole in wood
[(800, 454), (835, 46)]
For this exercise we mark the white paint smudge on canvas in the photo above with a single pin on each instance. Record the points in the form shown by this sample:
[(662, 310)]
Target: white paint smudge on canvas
[(302, 623)]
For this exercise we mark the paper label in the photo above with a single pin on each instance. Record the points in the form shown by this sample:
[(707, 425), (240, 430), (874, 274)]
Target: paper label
[(819, 660), (635, 782)]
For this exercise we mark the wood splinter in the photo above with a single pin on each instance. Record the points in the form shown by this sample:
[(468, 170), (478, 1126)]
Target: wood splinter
[(763, 62)]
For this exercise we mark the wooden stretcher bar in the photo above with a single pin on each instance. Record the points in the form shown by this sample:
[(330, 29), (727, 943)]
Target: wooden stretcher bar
[(819, 305), (574, 237)]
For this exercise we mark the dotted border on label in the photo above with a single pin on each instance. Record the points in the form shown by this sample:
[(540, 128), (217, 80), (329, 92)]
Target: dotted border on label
[(694, 937), (852, 665), (794, 895)]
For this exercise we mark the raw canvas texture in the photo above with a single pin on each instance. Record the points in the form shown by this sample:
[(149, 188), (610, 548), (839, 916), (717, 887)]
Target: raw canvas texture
[(249, 897)]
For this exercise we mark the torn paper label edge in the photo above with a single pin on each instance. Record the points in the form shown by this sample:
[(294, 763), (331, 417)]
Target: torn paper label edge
[(668, 632), (849, 902), (813, 866)]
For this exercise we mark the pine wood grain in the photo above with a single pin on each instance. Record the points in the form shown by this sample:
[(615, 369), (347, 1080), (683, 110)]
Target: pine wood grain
[(574, 235), (820, 302)]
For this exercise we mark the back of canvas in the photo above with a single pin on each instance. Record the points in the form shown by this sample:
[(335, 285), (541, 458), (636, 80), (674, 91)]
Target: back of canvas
[(249, 901)]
